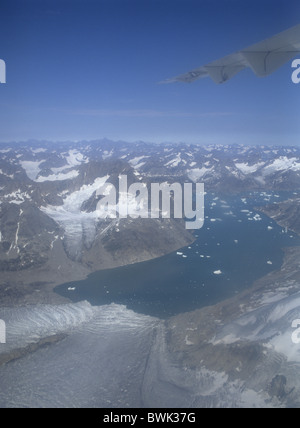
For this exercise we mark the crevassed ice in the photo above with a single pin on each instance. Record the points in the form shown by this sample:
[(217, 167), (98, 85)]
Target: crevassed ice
[(79, 226)]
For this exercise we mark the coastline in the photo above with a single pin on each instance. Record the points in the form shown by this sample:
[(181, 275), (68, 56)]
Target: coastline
[(18, 289), (193, 340)]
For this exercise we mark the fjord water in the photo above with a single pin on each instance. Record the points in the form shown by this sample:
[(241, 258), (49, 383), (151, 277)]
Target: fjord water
[(236, 246)]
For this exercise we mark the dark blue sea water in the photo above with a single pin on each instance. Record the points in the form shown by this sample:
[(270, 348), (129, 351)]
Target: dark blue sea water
[(236, 246)]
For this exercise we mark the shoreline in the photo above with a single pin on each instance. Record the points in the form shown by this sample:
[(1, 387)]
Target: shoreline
[(203, 320), (18, 289), (26, 292)]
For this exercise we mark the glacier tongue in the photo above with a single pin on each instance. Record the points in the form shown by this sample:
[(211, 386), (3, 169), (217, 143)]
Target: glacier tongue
[(99, 363), (110, 356), (29, 324), (79, 226)]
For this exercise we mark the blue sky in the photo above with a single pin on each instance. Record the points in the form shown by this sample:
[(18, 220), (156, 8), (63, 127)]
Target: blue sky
[(90, 69)]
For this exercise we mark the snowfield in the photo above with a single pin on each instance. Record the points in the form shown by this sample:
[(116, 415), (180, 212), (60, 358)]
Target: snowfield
[(79, 225)]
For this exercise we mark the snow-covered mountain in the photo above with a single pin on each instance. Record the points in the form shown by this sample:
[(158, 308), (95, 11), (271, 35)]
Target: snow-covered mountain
[(237, 353), (246, 166), (48, 217)]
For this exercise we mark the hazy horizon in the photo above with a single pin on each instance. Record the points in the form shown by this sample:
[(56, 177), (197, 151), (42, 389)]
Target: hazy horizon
[(108, 140)]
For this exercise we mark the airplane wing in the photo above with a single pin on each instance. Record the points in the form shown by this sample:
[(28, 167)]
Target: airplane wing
[(263, 58)]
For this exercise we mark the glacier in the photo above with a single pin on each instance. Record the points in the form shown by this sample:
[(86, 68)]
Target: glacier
[(110, 356)]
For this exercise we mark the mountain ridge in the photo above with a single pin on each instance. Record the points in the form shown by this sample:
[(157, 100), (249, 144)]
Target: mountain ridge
[(48, 222)]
